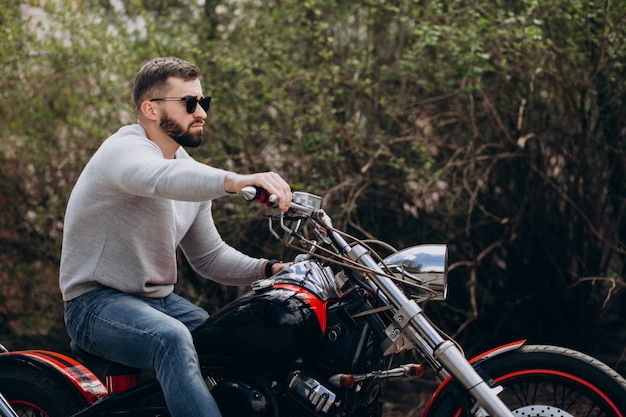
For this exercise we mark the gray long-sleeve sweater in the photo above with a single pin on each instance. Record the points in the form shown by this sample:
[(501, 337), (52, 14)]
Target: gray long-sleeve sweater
[(129, 211)]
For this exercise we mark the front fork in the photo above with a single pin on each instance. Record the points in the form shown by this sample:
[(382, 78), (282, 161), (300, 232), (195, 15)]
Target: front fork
[(410, 317), (487, 401), (451, 358), (410, 321)]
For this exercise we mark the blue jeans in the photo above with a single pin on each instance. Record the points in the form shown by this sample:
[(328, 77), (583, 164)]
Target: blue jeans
[(148, 333)]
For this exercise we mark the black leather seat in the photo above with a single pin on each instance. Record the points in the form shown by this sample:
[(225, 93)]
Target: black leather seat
[(110, 368)]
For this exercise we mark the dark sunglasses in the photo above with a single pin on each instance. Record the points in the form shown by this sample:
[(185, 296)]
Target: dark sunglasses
[(190, 101)]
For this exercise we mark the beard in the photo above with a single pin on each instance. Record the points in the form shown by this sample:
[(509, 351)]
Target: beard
[(184, 137)]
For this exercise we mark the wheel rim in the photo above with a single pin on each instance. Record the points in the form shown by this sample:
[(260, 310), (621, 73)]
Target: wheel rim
[(549, 393), (544, 392)]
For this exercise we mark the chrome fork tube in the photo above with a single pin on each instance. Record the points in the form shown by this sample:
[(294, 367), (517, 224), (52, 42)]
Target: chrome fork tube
[(444, 351)]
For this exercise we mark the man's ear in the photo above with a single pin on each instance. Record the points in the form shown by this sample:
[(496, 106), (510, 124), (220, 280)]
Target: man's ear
[(149, 110)]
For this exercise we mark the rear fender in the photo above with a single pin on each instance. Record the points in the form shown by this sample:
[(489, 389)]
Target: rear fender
[(63, 368), (474, 361)]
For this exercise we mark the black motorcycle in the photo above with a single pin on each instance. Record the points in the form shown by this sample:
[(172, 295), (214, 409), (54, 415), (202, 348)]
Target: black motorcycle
[(320, 338)]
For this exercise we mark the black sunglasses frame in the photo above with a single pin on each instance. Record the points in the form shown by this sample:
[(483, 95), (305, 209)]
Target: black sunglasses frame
[(190, 101)]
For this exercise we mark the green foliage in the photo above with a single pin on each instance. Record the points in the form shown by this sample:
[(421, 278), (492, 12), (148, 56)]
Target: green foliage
[(494, 126), (65, 86)]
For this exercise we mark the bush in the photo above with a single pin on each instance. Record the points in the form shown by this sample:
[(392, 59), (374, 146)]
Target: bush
[(493, 126)]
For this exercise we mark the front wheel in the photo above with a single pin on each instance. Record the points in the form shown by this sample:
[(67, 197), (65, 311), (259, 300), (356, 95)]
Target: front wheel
[(543, 381)]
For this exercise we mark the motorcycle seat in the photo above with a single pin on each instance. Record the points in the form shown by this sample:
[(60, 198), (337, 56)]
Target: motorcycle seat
[(111, 367)]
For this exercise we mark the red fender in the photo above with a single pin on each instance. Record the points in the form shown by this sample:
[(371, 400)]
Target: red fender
[(58, 365), (483, 356)]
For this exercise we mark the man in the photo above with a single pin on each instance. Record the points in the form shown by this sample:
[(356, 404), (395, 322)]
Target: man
[(139, 198)]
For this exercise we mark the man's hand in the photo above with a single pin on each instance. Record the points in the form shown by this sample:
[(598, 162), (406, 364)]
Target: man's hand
[(274, 268), (270, 181)]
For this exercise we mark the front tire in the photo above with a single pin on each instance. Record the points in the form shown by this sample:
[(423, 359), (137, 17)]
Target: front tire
[(543, 381), (33, 393)]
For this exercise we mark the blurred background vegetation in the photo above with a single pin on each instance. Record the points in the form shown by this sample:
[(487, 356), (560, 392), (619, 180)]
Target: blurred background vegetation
[(495, 126)]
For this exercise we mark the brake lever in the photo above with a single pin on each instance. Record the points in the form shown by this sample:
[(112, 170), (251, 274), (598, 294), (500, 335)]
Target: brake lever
[(303, 206)]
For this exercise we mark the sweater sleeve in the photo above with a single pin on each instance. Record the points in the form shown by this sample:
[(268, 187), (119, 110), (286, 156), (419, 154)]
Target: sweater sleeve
[(136, 166), (213, 258)]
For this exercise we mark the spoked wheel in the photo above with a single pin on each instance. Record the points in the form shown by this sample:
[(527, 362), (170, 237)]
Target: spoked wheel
[(544, 381), (538, 393), (33, 393)]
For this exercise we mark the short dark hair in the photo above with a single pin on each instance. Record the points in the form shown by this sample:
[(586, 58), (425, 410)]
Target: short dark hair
[(151, 80)]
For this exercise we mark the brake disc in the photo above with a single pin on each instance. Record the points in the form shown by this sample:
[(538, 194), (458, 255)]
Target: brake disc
[(541, 411)]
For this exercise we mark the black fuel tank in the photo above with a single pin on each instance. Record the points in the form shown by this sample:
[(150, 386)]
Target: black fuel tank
[(271, 328)]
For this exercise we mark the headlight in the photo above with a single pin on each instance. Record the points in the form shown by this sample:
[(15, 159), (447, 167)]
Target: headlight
[(421, 271)]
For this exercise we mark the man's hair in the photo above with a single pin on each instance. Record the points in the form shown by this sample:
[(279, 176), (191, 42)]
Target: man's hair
[(151, 80)]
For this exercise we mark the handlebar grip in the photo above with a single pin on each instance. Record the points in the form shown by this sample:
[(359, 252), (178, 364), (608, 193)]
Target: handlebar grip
[(259, 195)]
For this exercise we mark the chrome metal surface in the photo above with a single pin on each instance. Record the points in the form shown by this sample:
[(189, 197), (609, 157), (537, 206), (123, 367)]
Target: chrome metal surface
[(307, 274), (421, 270), (320, 397)]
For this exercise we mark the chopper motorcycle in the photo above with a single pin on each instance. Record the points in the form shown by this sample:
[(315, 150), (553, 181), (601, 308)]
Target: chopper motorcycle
[(319, 339)]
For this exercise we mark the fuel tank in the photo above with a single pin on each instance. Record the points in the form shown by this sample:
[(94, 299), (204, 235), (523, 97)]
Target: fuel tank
[(281, 321)]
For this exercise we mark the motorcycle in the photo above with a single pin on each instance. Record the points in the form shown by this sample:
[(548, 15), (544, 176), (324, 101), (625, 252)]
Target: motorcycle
[(320, 338)]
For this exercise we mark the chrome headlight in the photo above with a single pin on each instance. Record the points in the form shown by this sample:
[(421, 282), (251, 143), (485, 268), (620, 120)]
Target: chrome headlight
[(421, 271)]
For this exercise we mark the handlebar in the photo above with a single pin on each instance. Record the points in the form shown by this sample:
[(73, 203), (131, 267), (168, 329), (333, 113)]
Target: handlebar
[(303, 205), (259, 195)]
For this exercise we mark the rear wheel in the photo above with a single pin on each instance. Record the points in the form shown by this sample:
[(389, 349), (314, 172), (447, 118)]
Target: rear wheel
[(544, 381), (33, 393)]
